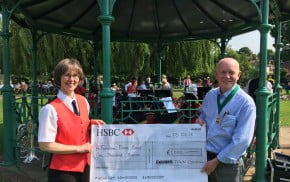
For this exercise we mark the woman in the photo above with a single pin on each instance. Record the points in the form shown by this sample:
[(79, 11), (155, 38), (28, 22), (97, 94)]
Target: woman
[(64, 127)]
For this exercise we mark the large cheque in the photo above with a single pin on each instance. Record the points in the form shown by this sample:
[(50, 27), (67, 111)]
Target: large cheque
[(148, 152)]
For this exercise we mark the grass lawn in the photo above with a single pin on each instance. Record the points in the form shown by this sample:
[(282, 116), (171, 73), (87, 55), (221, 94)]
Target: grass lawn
[(285, 113)]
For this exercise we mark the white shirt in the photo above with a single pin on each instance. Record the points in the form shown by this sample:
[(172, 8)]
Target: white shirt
[(127, 86), (192, 89), (47, 129)]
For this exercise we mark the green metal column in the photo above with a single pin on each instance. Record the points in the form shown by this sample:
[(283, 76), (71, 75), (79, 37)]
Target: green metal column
[(159, 58), (107, 94), (277, 86), (262, 94), (34, 94), (95, 47), (9, 118)]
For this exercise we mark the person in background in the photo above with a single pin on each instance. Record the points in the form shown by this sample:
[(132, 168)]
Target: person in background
[(207, 82), (229, 114), (23, 86), (186, 83), (253, 85), (199, 82), (165, 84), (164, 76), (64, 127), (80, 89), (287, 88), (148, 81), (215, 84), (192, 88), (127, 85), (100, 82), (132, 88), (142, 86), (115, 87)]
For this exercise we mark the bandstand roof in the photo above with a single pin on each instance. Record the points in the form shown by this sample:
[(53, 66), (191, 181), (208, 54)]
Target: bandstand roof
[(147, 20)]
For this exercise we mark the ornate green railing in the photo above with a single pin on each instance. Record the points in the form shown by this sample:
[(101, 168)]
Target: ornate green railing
[(26, 133), (155, 111), (135, 111), (273, 125)]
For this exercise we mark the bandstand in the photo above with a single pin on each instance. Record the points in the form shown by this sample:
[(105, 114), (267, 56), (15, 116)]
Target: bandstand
[(158, 21)]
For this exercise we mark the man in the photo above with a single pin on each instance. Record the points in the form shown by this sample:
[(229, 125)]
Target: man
[(229, 114), (253, 85)]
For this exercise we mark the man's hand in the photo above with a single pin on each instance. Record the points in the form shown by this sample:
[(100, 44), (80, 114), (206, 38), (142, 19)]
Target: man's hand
[(97, 122), (199, 121), (210, 166)]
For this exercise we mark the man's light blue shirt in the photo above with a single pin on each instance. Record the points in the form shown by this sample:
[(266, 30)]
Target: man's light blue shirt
[(232, 135)]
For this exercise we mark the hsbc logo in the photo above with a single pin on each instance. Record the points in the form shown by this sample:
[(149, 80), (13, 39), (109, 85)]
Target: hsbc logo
[(114, 132), (128, 132), (108, 132)]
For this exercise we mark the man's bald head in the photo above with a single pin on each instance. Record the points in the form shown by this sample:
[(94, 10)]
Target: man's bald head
[(228, 61)]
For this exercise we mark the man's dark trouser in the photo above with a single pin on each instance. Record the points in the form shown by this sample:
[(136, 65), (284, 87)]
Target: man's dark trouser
[(226, 172)]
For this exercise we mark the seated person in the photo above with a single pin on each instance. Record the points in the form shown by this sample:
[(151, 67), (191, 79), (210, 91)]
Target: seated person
[(192, 89), (142, 86)]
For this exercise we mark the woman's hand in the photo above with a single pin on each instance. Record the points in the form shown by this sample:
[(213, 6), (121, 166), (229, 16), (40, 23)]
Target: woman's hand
[(97, 122), (84, 148)]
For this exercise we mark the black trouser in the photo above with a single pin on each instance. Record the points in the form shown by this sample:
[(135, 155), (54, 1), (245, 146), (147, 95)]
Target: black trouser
[(67, 176), (226, 172)]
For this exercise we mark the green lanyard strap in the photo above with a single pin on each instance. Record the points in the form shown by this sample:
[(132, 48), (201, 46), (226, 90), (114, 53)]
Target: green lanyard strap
[(227, 99)]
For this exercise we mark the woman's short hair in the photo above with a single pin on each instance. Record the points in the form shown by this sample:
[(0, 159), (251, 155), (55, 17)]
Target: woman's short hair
[(63, 66)]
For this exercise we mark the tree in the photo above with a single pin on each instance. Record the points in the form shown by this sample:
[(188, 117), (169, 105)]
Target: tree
[(245, 50), (283, 76), (285, 39), (192, 57), (271, 54), (196, 58), (249, 70)]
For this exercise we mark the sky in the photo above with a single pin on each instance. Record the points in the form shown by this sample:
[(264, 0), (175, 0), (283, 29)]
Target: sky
[(250, 40)]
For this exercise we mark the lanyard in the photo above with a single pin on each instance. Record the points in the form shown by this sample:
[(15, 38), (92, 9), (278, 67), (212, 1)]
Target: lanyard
[(227, 99)]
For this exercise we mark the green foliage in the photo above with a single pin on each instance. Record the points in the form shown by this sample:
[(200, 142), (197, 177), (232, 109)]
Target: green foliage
[(192, 57), (245, 50), (285, 39), (285, 54), (249, 70), (286, 32), (283, 75), (271, 54), (128, 59)]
